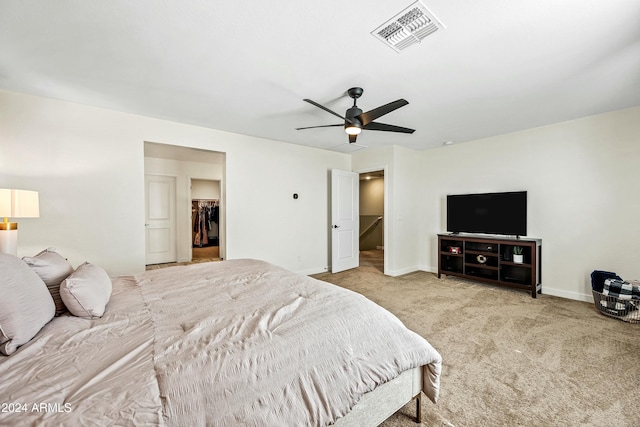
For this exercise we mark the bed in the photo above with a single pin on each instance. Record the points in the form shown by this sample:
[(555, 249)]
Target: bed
[(240, 342)]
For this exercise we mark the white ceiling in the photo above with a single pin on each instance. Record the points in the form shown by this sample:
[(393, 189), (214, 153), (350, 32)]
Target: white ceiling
[(499, 66)]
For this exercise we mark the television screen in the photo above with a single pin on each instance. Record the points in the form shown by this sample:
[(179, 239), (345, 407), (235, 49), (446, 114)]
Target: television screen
[(490, 213)]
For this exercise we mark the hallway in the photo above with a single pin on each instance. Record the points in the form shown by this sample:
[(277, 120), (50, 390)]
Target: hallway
[(373, 258)]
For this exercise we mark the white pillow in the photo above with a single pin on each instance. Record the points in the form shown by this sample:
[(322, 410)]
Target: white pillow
[(25, 304), (52, 268), (86, 291)]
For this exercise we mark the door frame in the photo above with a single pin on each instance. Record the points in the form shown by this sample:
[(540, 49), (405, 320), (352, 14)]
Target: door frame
[(385, 214), (221, 225), (167, 154)]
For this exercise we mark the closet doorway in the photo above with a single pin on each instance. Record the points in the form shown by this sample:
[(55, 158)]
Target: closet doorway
[(187, 165), (205, 219), (372, 233)]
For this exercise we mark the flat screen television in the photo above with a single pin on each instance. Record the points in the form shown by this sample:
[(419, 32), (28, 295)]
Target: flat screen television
[(488, 213)]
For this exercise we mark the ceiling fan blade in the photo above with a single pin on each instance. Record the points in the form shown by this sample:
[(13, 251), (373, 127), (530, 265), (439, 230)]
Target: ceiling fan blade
[(352, 138), (370, 116), (387, 128), (322, 107), (323, 126)]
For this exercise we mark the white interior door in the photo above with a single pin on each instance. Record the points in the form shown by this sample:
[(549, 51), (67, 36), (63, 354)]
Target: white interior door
[(345, 220), (160, 219)]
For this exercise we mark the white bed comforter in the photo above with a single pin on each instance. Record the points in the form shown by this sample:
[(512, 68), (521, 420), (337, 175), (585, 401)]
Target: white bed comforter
[(238, 342), (79, 372)]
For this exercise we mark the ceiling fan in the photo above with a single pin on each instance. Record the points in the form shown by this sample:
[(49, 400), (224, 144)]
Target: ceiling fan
[(355, 120)]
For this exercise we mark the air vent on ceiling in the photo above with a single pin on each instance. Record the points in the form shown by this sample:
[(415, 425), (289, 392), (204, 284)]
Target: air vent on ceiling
[(408, 27)]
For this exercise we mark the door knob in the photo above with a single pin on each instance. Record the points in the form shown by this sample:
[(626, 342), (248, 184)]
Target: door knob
[(336, 226)]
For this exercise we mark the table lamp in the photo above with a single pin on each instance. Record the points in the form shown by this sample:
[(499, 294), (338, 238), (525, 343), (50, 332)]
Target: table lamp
[(15, 204)]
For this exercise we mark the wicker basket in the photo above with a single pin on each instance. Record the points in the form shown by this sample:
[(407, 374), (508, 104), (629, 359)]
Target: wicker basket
[(622, 309)]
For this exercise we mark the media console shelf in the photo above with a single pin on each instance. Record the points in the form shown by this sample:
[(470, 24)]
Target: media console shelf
[(490, 259)]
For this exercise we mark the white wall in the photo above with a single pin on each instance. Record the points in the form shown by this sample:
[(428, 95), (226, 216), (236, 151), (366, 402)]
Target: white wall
[(582, 178), (407, 240), (402, 171), (583, 184), (371, 207), (205, 189), (372, 196), (88, 165)]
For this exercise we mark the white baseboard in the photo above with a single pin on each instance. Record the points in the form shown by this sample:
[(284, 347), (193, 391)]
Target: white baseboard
[(566, 294), (428, 269), (315, 270), (394, 273)]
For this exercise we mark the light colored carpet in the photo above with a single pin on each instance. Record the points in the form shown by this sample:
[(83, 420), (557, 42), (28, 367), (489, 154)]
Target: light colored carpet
[(509, 359)]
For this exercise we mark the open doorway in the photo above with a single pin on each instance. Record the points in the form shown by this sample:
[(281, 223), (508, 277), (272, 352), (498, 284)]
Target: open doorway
[(372, 219), (205, 219), (186, 165)]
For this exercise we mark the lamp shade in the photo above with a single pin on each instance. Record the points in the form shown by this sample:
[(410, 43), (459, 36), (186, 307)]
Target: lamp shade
[(19, 204)]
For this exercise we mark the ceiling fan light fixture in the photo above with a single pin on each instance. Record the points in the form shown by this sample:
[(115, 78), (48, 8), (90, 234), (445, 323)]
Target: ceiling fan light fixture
[(352, 130)]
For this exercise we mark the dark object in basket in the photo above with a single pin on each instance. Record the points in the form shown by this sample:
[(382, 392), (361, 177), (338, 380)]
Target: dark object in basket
[(620, 300), (624, 310), (599, 276), (622, 289)]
